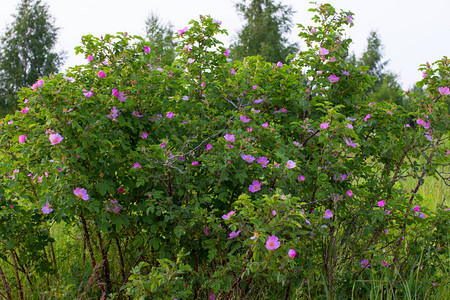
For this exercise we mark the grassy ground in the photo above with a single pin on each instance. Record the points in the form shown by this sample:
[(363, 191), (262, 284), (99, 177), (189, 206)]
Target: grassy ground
[(434, 192)]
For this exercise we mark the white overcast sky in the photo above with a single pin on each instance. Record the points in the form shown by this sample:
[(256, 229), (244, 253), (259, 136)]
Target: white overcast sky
[(412, 31)]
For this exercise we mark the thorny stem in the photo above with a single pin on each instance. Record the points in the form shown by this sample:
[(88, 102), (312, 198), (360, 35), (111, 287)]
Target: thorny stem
[(91, 252), (106, 264), (5, 283), (24, 269), (240, 275), (122, 268), (17, 275)]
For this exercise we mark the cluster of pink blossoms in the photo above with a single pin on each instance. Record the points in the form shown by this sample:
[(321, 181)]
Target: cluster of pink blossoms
[(119, 95), (417, 210), (88, 94), (425, 125), (37, 84), (114, 114), (116, 207)]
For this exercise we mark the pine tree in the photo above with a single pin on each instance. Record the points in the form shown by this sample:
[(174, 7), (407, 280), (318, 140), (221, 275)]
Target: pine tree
[(386, 86), (26, 51), (161, 37), (264, 31)]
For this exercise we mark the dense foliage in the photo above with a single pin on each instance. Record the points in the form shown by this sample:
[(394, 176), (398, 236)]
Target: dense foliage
[(209, 178)]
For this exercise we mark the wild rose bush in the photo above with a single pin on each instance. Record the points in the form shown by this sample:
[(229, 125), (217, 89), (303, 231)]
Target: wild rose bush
[(209, 178)]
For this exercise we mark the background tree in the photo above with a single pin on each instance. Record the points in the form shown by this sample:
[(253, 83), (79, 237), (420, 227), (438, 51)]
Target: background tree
[(386, 86), (27, 51), (161, 37), (264, 31)]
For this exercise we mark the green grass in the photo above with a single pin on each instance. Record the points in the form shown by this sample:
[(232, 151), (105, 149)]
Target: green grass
[(434, 191)]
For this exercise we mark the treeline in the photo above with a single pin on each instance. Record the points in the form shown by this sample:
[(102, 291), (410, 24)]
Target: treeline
[(27, 48)]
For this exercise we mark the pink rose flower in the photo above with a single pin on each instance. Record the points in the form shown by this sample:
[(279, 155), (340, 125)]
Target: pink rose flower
[(88, 94), (290, 164), (255, 186), (333, 78), (244, 119), (46, 209), (81, 193), (323, 51), (55, 138), (444, 91), (181, 31), (22, 139), (350, 142), (248, 158), (228, 215), (328, 214), (229, 138), (272, 243), (101, 74), (234, 234)]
